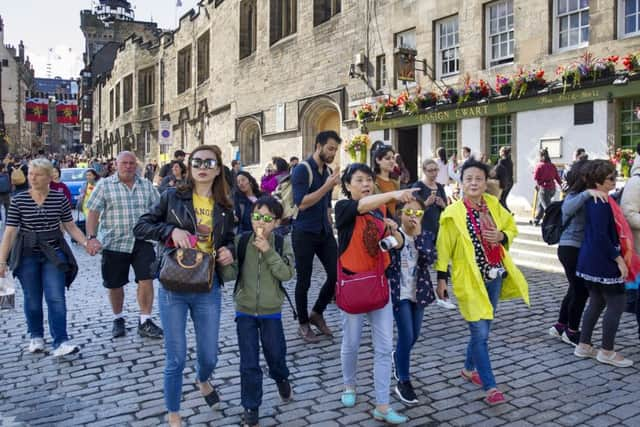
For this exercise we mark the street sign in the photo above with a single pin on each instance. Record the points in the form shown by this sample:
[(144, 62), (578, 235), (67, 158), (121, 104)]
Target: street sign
[(166, 135)]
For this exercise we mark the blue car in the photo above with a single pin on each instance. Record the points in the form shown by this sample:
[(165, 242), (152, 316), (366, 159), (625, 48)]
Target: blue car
[(74, 178)]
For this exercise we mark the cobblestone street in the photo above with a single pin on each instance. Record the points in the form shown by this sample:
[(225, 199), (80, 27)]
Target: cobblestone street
[(120, 382)]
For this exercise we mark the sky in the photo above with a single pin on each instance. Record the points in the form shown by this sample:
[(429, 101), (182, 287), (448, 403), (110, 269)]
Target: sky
[(51, 32)]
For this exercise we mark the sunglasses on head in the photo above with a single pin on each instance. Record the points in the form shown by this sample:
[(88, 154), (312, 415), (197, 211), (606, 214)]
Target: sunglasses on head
[(256, 216), (199, 163), (413, 212)]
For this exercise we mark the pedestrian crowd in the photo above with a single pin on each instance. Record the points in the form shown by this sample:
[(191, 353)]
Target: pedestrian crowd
[(214, 225)]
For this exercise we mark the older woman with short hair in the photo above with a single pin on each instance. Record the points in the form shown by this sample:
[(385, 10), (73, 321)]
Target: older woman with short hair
[(474, 235), (40, 256)]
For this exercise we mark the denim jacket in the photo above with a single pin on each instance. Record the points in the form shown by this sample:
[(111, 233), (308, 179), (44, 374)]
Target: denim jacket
[(574, 218), (426, 256)]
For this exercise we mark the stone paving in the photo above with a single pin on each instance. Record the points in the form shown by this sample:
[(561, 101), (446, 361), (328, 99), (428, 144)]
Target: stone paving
[(120, 382)]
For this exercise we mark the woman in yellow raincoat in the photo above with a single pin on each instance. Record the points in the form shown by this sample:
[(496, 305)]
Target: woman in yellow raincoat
[(475, 233)]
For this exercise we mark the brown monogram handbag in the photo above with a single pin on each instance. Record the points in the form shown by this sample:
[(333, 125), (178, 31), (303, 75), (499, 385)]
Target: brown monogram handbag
[(187, 270)]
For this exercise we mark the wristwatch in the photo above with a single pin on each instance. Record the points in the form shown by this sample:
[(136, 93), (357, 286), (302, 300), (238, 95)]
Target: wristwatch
[(91, 236)]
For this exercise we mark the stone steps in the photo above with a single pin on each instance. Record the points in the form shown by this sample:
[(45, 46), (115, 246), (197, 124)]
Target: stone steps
[(529, 250)]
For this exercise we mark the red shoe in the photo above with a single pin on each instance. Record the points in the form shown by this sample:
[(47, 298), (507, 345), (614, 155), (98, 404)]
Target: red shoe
[(495, 397), (474, 377)]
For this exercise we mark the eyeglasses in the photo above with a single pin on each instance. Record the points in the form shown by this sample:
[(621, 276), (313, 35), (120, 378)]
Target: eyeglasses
[(266, 218), (612, 177), (413, 212), (199, 163)]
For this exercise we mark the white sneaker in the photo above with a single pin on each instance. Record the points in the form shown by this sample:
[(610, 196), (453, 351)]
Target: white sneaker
[(611, 360), (65, 348), (585, 352), (36, 345)]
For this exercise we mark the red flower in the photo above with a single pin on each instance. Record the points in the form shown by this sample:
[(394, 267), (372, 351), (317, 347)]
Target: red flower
[(539, 74)]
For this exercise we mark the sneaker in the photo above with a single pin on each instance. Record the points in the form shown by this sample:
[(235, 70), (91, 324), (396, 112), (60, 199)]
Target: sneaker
[(36, 345), (583, 352), (118, 328), (65, 349), (318, 321), (612, 359), (556, 330), (405, 392), (285, 392), (572, 338), (348, 398), (394, 366), (250, 418), (495, 397), (148, 329), (389, 417), (307, 333)]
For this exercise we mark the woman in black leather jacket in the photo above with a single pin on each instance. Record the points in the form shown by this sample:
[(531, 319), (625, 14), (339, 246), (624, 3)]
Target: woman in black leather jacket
[(198, 212)]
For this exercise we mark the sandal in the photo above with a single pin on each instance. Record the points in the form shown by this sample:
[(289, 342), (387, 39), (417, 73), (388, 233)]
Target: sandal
[(495, 397), (474, 377), (212, 399)]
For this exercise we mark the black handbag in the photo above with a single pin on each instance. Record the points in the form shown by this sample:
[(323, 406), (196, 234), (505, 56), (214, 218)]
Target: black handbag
[(187, 270)]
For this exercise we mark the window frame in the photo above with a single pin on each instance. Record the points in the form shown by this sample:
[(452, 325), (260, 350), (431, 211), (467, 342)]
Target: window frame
[(146, 86), (622, 34), (249, 24), (127, 93), (330, 8), (284, 28), (117, 102), (203, 54), (455, 47), (630, 113), (381, 72), (184, 61), (111, 105), (441, 140), (556, 26), (491, 62), (491, 126)]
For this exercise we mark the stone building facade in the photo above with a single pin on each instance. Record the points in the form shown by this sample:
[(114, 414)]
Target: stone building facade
[(17, 78), (261, 78)]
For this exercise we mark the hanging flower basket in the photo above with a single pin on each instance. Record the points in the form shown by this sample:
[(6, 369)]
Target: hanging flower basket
[(357, 148)]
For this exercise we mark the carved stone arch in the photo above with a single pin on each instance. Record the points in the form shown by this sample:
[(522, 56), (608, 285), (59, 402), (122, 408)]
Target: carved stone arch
[(316, 115), (249, 137)]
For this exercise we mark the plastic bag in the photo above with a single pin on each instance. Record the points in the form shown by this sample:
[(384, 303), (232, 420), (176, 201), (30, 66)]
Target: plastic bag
[(7, 292)]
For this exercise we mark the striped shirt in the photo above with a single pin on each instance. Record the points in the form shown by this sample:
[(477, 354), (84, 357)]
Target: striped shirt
[(120, 208), (25, 214)]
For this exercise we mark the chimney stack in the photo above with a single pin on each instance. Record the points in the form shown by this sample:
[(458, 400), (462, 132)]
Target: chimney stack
[(21, 52)]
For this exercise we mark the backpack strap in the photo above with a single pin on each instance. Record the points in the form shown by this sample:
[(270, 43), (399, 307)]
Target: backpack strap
[(279, 246), (310, 172), (241, 251)]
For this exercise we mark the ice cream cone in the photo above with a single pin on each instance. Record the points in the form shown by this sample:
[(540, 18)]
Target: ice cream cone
[(259, 231)]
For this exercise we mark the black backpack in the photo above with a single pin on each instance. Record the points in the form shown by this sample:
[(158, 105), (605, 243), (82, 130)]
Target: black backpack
[(552, 226), (241, 251)]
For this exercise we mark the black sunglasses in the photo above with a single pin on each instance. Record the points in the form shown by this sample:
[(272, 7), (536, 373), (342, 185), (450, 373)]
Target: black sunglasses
[(198, 163)]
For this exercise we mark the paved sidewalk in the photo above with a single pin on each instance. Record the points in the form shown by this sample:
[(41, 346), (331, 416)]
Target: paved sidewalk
[(120, 382)]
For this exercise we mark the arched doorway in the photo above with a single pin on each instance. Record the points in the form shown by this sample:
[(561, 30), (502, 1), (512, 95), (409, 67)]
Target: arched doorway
[(319, 115)]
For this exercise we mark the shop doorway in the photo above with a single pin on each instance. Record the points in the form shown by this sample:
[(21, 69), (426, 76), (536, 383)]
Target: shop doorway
[(407, 147)]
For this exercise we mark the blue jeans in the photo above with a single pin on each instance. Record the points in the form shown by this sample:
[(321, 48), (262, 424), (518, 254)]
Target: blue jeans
[(381, 323), (204, 309), (252, 331), (409, 320), (40, 276), (478, 348)]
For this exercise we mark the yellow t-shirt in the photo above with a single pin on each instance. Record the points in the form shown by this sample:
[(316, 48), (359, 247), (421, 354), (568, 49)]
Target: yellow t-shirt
[(204, 215)]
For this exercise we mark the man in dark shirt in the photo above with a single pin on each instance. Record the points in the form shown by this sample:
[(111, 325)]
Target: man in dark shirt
[(313, 231), (178, 156)]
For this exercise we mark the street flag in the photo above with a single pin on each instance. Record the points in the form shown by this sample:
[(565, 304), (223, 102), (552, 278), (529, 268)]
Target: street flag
[(37, 107), (67, 111)]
